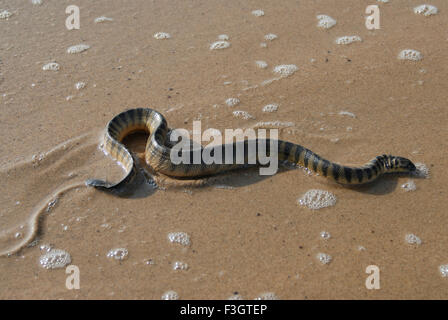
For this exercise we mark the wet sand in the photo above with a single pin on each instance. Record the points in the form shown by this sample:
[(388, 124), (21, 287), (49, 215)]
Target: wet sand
[(252, 237)]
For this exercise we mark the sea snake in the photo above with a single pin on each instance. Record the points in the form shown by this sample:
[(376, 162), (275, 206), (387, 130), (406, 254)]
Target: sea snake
[(158, 148)]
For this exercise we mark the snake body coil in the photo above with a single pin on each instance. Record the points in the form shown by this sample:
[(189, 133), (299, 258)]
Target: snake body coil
[(158, 149)]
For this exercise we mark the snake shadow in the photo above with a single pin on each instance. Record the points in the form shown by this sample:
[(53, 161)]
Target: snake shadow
[(144, 184)]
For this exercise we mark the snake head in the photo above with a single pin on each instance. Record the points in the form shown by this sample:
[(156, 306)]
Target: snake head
[(404, 165)]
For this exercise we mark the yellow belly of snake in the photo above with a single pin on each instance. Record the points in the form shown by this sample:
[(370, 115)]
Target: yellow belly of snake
[(158, 149)]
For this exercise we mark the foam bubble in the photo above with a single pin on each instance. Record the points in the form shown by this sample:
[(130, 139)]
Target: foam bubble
[(258, 13), (410, 54), (317, 199), (325, 22), (347, 113), (413, 239), (325, 235), (263, 45), (270, 107), (179, 237), (118, 253), (243, 114), (383, 1), (426, 10), (223, 37), (422, 170), (409, 186), (443, 269), (324, 258), (231, 102), (55, 258), (179, 265), (267, 296), (5, 14), (261, 64), (36, 2), (270, 36), (80, 85), (162, 35), (78, 48), (218, 45), (285, 70), (235, 297), (52, 66), (170, 295), (46, 247), (348, 39), (102, 19), (274, 124)]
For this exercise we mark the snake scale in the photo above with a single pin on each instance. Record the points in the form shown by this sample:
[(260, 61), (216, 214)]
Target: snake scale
[(158, 148)]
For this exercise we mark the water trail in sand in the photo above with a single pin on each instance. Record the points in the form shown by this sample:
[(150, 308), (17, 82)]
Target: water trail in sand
[(33, 187)]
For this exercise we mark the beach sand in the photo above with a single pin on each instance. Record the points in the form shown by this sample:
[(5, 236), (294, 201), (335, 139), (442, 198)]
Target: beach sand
[(248, 234)]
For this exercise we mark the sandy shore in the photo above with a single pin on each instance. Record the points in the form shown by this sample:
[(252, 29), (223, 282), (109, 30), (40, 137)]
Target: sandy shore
[(248, 234)]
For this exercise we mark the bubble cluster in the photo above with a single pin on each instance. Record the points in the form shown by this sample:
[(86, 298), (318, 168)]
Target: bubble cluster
[(413, 239), (348, 39), (231, 102), (52, 66), (235, 297), (78, 48), (270, 108), (285, 70), (258, 13), (243, 115), (270, 36), (422, 170), (179, 237), (267, 296), (347, 113), (102, 19), (443, 269), (324, 258), (410, 54), (218, 45), (274, 124), (46, 247), (317, 199), (55, 258), (261, 64), (325, 235), (325, 22), (118, 253), (5, 14), (162, 35), (426, 10), (179, 265), (36, 2), (80, 85), (170, 295), (223, 37), (409, 186)]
